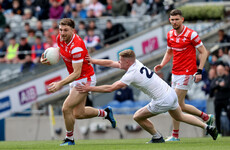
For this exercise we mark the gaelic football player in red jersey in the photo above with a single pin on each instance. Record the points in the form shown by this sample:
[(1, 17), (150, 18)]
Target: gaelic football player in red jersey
[(73, 53), (182, 43)]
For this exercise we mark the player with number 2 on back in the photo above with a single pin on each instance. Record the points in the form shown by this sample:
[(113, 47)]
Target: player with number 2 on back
[(182, 44), (74, 52), (164, 98)]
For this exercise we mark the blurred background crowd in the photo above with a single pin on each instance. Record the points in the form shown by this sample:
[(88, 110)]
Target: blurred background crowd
[(28, 27)]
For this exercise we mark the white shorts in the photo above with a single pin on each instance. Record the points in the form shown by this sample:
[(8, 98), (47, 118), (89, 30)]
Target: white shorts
[(183, 82), (169, 102), (92, 81)]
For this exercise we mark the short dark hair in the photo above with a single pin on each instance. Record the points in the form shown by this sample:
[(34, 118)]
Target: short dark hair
[(67, 22), (176, 12)]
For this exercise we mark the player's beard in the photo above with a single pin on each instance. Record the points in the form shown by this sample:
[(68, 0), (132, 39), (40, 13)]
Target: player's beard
[(176, 27)]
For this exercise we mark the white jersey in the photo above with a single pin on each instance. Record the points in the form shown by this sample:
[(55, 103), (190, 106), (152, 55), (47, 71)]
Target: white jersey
[(145, 80)]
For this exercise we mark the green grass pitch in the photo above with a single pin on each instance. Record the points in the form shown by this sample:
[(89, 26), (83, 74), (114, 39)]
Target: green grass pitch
[(222, 143)]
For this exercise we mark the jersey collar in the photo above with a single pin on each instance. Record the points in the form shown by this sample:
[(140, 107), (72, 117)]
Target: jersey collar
[(71, 40), (184, 28)]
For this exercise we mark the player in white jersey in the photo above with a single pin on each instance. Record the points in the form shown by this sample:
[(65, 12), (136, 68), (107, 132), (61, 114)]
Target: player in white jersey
[(164, 98)]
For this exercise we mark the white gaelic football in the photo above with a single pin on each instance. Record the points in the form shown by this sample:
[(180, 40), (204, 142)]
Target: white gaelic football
[(52, 54)]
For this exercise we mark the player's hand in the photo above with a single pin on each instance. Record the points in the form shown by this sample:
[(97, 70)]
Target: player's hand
[(88, 58), (83, 87), (54, 86), (158, 68), (197, 78), (44, 60)]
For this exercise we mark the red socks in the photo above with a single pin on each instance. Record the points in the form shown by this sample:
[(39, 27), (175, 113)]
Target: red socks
[(101, 113), (204, 116), (175, 133)]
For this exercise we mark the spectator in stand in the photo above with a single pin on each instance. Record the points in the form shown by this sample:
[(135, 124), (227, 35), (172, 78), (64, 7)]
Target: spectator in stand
[(7, 34), (39, 26), (37, 50), (86, 3), (92, 25), (222, 56), (12, 49), (46, 35), (123, 94), (41, 9), (49, 42), (97, 7), (82, 13), (28, 16), (31, 37), (207, 82), (90, 13), (2, 20), (74, 14), (92, 41), (54, 25), (24, 50), (223, 38), (2, 51), (110, 32), (67, 12), (139, 8), (27, 27), (81, 31), (154, 7), (17, 9), (72, 4), (29, 5), (108, 8), (220, 88), (55, 10), (119, 8)]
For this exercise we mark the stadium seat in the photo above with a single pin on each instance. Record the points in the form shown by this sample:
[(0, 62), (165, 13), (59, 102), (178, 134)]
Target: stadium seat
[(128, 107), (200, 104)]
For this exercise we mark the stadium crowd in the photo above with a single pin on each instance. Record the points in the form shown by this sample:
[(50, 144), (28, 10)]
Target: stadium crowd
[(27, 44)]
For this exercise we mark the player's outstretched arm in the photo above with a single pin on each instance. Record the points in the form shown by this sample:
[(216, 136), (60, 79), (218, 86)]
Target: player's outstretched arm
[(168, 55), (85, 87), (103, 62)]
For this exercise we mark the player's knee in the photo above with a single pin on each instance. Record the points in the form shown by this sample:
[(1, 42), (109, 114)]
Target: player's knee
[(136, 117), (182, 106), (64, 109)]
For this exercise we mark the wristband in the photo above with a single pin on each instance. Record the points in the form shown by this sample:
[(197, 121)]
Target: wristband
[(199, 71)]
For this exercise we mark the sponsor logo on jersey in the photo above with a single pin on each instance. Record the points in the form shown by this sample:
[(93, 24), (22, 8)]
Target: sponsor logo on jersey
[(184, 39), (197, 39), (77, 55), (178, 40)]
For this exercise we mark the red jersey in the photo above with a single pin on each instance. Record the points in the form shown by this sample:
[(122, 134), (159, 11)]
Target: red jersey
[(75, 52), (184, 50)]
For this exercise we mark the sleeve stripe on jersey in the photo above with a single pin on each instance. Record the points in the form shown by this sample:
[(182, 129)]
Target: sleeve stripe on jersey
[(76, 49), (77, 61), (199, 45), (194, 34), (169, 47)]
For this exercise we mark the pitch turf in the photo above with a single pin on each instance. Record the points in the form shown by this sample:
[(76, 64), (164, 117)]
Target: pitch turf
[(222, 143)]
